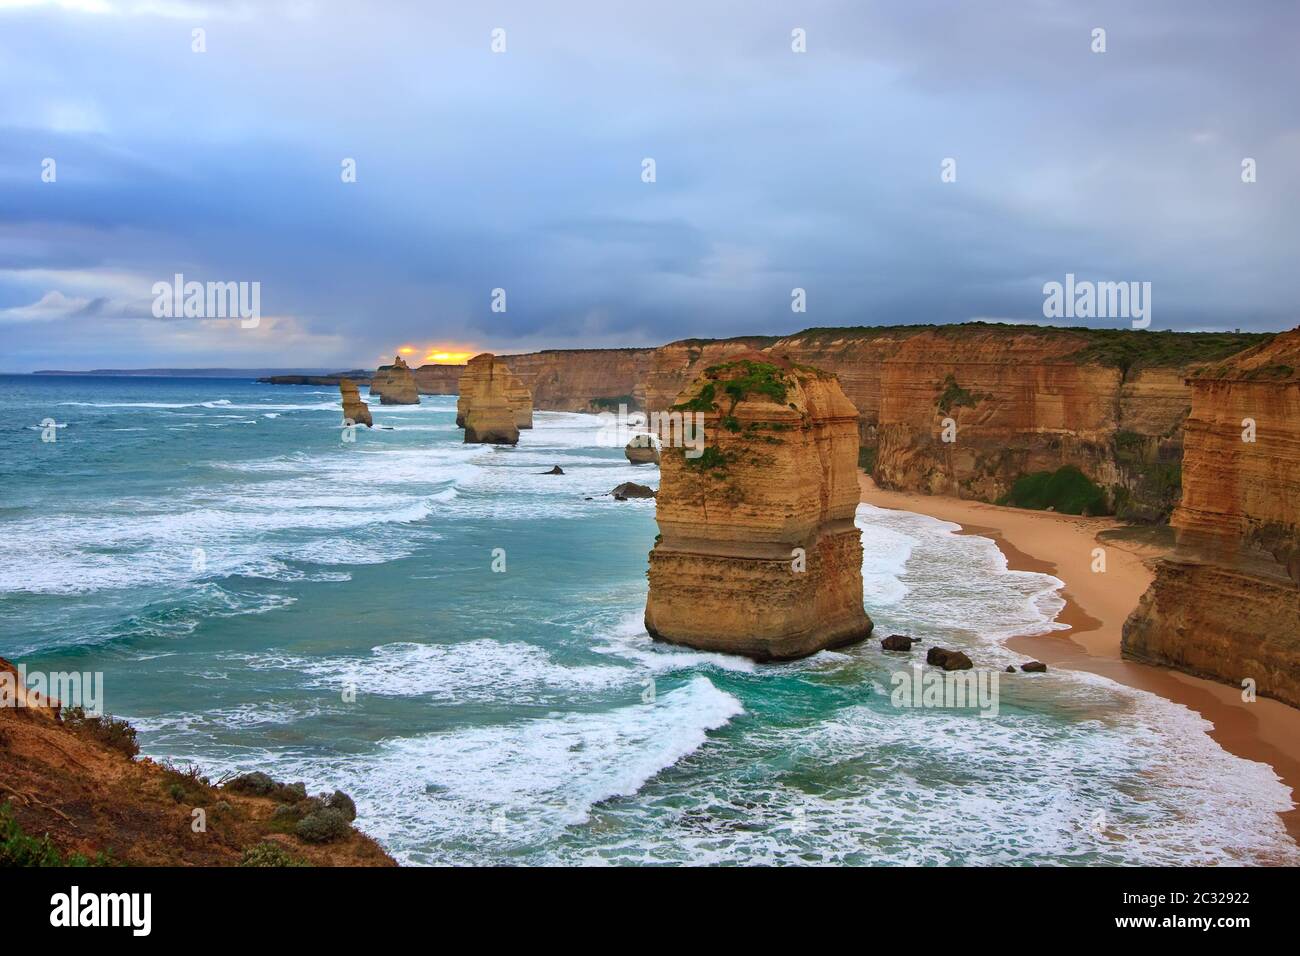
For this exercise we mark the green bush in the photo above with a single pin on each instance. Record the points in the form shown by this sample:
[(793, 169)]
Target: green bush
[(112, 732), (1066, 490), (867, 458), (17, 848), (323, 826), (268, 854)]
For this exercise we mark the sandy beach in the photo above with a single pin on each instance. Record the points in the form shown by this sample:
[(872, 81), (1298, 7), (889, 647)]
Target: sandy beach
[(1097, 605)]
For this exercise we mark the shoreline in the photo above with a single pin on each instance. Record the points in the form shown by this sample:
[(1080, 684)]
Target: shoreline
[(1096, 606)]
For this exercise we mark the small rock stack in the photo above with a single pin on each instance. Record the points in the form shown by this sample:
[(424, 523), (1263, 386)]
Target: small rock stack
[(355, 411)]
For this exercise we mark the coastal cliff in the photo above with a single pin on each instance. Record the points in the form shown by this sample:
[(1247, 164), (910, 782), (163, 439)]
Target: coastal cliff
[(758, 553), (74, 792), (1022, 401), (394, 384), (1226, 603), (583, 380), (484, 408)]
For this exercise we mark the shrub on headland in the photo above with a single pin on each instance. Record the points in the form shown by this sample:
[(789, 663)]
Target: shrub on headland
[(323, 826), (112, 732), (268, 854), (17, 848)]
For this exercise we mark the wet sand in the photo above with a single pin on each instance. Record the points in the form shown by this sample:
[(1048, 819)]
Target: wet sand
[(1097, 604)]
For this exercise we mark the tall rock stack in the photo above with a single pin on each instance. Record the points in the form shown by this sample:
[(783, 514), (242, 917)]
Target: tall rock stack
[(758, 553), (484, 409), (1226, 603), (480, 369), (354, 409), (394, 384)]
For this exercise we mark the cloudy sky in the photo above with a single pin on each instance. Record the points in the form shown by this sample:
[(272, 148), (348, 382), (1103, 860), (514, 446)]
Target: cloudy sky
[(522, 170)]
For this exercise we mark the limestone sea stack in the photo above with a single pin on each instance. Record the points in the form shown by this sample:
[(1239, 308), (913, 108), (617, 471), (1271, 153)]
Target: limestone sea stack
[(395, 384), (758, 554), (483, 408), (1225, 603), (354, 409), (476, 372)]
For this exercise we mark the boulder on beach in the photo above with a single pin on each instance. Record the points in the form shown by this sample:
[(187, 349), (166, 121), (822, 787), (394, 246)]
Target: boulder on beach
[(630, 489), (896, 642), (355, 411), (949, 660), (1033, 667)]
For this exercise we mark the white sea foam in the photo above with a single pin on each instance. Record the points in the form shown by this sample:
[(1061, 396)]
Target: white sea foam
[(432, 797), (480, 670)]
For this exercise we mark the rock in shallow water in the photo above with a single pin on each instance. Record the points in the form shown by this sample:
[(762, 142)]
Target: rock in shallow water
[(896, 642), (949, 660), (630, 489), (1033, 667)]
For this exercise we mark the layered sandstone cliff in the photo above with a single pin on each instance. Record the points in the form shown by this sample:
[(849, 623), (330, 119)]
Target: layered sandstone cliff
[(355, 411), (484, 408), (758, 553), (394, 384), (583, 380), (438, 379), (1226, 603)]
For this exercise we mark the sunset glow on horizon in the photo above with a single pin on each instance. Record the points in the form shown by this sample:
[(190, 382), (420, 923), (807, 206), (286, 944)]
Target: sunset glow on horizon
[(437, 354)]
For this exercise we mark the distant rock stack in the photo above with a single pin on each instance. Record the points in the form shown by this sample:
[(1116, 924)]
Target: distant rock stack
[(758, 553), (484, 409), (1225, 603), (642, 450), (354, 409), (394, 384)]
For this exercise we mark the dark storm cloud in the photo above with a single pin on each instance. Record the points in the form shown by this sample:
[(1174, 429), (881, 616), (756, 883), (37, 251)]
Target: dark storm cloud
[(522, 170)]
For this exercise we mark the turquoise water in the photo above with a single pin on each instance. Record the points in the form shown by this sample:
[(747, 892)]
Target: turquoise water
[(235, 570)]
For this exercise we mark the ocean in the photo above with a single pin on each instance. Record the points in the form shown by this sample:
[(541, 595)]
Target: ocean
[(260, 594)]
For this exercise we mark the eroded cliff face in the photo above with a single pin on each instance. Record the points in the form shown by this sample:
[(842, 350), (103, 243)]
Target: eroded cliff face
[(583, 380), (758, 554), (394, 384), (1226, 603), (438, 379), (484, 408), (355, 411)]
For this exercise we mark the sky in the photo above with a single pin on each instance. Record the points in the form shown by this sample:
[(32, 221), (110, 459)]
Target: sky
[(524, 170)]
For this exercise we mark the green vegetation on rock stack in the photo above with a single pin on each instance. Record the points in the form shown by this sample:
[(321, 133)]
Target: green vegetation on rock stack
[(1066, 491)]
